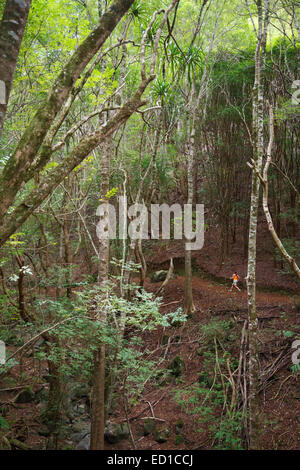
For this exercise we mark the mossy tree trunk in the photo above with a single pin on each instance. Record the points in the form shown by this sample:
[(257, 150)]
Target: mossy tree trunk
[(14, 172), (12, 29), (13, 220)]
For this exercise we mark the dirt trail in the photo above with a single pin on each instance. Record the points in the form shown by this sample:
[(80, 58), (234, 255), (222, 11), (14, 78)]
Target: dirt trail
[(213, 300), (208, 293)]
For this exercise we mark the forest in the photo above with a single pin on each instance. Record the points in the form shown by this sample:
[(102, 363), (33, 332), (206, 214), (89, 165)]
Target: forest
[(149, 225)]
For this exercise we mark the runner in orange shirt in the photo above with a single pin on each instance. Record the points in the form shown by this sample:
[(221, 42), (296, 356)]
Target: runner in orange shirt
[(235, 279)]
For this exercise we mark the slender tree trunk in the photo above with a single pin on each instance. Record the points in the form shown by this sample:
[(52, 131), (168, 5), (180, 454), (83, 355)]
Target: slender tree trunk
[(189, 306), (264, 180), (258, 151), (67, 247), (98, 398), (193, 118), (12, 29), (55, 402)]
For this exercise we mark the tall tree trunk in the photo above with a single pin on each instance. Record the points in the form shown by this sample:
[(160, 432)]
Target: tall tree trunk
[(258, 150), (189, 306), (12, 29), (98, 399), (55, 402)]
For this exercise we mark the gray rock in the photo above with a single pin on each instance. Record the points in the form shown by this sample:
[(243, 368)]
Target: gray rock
[(149, 425), (116, 432), (81, 427), (78, 390), (80, 430), (159, 276), (85, 443), (4, 443), (78, 409)]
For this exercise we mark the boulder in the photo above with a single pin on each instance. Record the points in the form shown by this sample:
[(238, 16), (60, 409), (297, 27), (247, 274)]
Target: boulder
[(4, 443), (78, 409), (149, 425), (39, 343), (80, 430), (78, 390), (159, 276), (116, 432), (85, 443), (161, 435), (81, 426)]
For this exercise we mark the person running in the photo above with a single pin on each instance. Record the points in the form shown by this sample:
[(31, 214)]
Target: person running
[(235, 279)]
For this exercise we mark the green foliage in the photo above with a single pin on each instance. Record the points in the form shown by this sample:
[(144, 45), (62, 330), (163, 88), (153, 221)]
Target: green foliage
[(206, 399), (222, 147), (4, 426), (229, 432), (216, 328)]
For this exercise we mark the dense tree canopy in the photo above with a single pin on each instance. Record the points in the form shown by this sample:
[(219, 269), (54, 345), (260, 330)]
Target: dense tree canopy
[(152, 102)]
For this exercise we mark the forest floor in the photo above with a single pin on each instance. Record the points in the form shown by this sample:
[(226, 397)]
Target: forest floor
[(176, 402), (279, 403)]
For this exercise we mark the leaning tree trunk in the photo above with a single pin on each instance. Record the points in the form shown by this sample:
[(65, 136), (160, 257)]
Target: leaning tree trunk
[(12, 29), (19, 166), (98, 398), (264, 180)]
